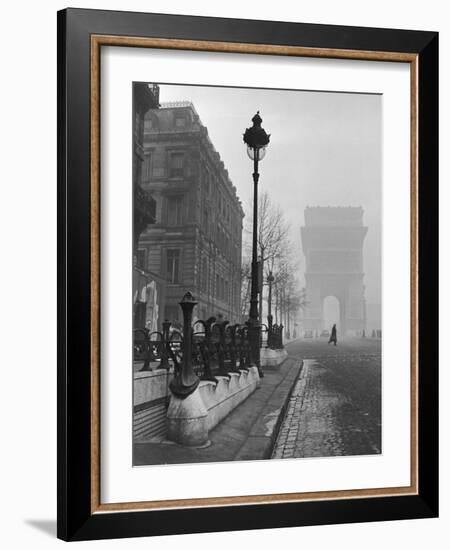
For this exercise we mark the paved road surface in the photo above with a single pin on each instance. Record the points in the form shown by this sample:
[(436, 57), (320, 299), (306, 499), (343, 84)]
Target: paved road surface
[(335, 406)]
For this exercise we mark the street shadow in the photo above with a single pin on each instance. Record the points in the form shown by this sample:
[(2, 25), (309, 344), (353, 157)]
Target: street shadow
[(47, 526)]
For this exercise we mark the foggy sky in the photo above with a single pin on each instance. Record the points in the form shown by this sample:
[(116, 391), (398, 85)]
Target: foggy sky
[(325, 150)]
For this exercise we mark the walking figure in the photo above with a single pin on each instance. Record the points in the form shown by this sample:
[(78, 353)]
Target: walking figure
[(333, 337)]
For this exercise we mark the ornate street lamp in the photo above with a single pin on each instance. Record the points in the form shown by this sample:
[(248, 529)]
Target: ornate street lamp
[(270, 280), (256, 140)]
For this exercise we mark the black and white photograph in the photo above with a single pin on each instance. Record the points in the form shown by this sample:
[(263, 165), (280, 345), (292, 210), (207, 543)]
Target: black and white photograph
[(224, 250), (257, 274)]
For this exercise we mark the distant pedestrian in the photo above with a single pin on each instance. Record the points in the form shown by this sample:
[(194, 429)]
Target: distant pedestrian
[(333, 336)]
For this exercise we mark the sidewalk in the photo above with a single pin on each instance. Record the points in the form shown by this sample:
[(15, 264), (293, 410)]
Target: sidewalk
[(247, 433)]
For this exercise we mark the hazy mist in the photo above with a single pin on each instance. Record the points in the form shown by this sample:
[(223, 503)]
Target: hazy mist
[(325, 150)]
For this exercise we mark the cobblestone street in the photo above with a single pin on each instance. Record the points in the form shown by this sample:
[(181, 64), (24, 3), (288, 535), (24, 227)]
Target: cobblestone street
[(335, 406)]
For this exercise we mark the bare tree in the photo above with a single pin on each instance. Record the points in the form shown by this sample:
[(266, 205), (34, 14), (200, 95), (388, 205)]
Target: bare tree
[(273, 230), (245, 287), (290, 297), (277, 256), (273, 237)]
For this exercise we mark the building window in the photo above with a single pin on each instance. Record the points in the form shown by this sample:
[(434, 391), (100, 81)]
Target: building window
[(219, 238), (140, 258), (206, 221), (148, 124), (176, 168), (175, 210), (221, 286), (173, 266), (146, 171), (204, 280), (151, 123), (180, 122), (206, 183)]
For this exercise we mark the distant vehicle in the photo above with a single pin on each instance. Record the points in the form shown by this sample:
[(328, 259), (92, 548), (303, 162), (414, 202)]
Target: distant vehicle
[(325, 334), (308, 334)]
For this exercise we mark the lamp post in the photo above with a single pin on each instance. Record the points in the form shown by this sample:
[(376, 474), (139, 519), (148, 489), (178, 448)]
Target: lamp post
[(270, 279), (256, 140)]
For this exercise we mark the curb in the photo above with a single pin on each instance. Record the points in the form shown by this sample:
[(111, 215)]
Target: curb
[(263, 434), (283, 411)]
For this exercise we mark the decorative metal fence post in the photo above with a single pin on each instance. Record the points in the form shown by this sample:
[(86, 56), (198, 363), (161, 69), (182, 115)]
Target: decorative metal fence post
[(208, 348), (142, 347), (244, 346), (204, 346), (270, 280), (186, 381), (277, 337), (221, 347), (165, 345), (187, 414), (230, 339)]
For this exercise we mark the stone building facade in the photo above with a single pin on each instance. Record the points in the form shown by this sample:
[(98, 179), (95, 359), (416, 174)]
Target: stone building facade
[(145, 97), (196, 241)]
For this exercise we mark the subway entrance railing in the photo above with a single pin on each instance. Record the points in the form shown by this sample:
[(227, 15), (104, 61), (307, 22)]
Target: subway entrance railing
[(215, 347)]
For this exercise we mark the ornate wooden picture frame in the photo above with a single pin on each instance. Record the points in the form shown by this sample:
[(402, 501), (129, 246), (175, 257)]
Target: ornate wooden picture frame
[(81, 36)]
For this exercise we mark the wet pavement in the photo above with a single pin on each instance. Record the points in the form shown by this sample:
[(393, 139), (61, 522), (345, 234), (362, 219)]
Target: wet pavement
[(335, 406)]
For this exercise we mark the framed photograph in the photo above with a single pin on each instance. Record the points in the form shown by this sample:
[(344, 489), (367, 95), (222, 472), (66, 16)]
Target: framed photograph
[(247, 254)]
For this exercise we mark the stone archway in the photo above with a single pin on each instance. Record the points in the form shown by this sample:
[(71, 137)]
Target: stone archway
[(332, 241), (331, 313)]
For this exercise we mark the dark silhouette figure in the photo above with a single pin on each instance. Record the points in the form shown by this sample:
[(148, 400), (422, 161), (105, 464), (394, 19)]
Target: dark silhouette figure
[(333, 336)]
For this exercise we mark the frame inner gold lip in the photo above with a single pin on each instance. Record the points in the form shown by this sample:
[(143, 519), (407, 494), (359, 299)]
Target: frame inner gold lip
[(97, 41)]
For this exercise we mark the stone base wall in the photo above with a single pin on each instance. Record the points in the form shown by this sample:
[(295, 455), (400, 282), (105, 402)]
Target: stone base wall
[(272, 358), (221, 398), (159, 414), (191, 419), (151, 385)]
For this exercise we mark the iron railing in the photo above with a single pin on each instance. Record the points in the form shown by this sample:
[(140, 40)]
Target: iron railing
[(217, 348)]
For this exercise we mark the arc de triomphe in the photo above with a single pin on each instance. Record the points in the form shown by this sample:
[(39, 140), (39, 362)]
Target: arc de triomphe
[(332, 241)]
